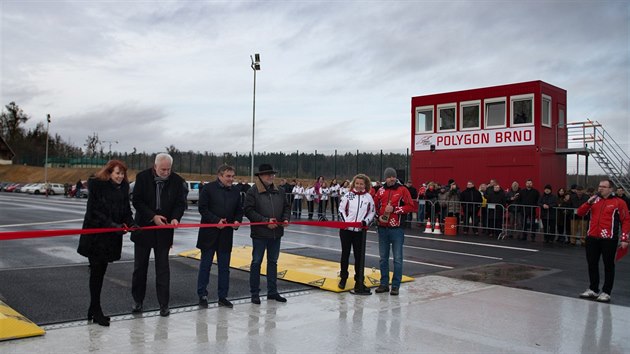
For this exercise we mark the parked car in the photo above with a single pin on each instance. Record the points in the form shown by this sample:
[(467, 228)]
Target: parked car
[(83, 193), (31, 188), (53, 188), (193, 191), (13, 187), (24, 188), (3, 185)]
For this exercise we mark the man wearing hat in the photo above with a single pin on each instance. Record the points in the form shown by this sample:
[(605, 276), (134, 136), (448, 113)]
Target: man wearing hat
[(265, 202), (392, 202)]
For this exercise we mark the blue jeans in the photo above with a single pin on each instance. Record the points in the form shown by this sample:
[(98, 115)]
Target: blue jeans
[(420, 217), (223, 263), (394, 237), (273, 252)]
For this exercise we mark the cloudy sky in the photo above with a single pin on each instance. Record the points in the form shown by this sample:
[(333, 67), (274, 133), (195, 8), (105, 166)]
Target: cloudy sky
[(335, 75)]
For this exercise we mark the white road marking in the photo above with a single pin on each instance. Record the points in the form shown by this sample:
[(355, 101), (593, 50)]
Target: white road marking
[(414, 247), (367, 254), (43, 223)]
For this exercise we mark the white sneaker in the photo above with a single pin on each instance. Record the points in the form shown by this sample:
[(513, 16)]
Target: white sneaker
[(603, 297), (589, 294)]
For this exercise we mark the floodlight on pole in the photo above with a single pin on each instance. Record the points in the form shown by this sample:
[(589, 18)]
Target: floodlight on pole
[(255, 67)]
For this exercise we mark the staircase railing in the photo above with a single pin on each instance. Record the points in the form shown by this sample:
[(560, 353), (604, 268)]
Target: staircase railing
[(592, 137)]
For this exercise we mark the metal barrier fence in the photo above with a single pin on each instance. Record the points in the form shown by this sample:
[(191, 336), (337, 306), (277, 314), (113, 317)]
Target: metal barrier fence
[(559, 224), (497, 220)]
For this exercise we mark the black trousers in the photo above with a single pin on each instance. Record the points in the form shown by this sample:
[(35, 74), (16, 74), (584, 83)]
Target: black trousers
[(97, 275), (351, 239), (311, 208), (162, 273), (334, 206), (606, 248)]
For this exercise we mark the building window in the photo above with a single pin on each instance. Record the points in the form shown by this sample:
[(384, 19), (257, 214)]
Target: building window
[(495, 112), (522, 110), (424, 119), (470, 115), (546, 111), (447, 117)]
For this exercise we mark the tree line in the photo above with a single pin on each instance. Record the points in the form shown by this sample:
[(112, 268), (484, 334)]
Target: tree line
[(29, 148)]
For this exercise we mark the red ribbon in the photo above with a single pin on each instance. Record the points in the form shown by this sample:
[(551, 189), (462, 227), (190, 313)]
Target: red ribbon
[(14, 235)]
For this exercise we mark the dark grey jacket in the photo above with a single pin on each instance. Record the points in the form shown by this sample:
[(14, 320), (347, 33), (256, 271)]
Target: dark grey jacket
[(261, 204)]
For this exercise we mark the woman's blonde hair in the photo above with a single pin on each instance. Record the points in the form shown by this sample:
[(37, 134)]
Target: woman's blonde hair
[(365, 178)]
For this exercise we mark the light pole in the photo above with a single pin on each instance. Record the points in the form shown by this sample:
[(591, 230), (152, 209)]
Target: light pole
[(46, 159), (110, 145), (255, 67)]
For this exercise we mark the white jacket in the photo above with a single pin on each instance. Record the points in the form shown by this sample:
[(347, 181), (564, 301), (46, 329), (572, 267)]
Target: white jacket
[(356, 207), (298, 192), (309, 194)]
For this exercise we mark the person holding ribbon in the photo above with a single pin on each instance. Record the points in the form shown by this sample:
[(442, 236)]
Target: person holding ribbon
[(356, 206), (108, 208), (265, 203), (159, 197), (219, 203), (392, 201)]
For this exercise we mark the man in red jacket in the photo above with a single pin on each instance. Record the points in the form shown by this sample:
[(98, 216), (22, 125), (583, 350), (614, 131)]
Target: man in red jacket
[(392, 202), (608, 213)]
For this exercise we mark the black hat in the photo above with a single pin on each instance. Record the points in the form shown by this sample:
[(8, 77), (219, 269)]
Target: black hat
[(265, 169), (548, 186)]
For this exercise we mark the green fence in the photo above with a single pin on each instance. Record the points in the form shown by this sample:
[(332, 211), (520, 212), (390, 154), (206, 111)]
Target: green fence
[(303, 165)]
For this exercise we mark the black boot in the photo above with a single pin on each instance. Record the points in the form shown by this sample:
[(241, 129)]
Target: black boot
[(342, 283), (96, 314)]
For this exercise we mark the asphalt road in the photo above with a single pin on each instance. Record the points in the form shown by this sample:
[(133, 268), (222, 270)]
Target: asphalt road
[(556, 269)]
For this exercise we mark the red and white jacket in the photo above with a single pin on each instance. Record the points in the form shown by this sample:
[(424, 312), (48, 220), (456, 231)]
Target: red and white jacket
[(356, 207), (398, 196), (606, 215)]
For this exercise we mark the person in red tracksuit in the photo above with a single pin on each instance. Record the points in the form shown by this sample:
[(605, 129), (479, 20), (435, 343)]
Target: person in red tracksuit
[(608, 213), (392, 201)]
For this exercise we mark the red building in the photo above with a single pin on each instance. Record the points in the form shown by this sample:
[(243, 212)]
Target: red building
[(509, 133)]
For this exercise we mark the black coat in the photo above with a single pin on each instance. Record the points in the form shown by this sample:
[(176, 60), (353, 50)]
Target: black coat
[(552, 201), (172, 201), (218, 202), (261, 204), (107, 206)]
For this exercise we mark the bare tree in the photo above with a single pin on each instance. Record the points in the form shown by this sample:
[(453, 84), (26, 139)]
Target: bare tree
[(11, 120), (91, 145)]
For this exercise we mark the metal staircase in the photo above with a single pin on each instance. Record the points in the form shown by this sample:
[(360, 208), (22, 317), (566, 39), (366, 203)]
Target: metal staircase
[(591, 138)]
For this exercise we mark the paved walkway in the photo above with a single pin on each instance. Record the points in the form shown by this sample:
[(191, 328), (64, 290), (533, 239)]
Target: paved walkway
[(432, 314)]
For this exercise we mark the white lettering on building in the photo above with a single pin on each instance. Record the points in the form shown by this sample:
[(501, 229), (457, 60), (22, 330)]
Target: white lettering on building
[(475, 139)]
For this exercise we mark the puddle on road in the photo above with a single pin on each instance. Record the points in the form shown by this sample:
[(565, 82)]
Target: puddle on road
[(500, 274)]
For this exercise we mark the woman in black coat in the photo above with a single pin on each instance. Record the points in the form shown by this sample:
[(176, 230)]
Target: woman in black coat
[(107, 207)]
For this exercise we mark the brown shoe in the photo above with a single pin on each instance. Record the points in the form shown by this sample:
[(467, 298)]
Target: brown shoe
[(394, 291), (382, 289)]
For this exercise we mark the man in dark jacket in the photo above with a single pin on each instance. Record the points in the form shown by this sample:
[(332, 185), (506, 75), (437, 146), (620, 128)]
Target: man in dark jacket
[(528, 198), (159, 197), (548, 203), (579, 224), (265, 202), (471, 203), (219, 203)]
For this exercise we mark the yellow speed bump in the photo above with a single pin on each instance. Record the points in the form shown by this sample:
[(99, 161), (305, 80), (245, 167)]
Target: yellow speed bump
[(13, 325), (300, 269)]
